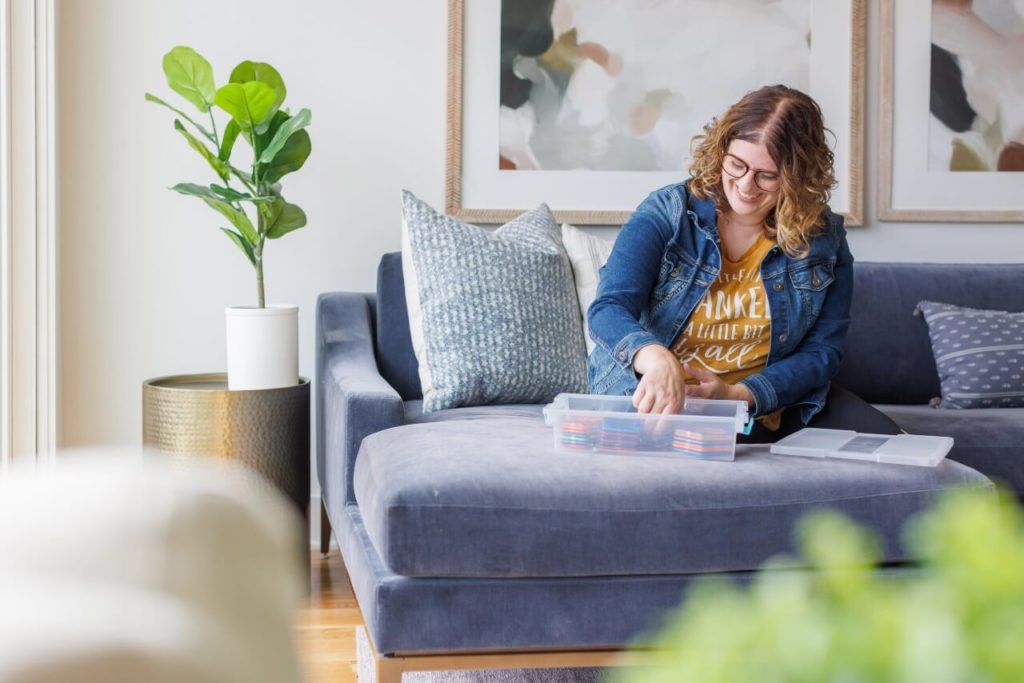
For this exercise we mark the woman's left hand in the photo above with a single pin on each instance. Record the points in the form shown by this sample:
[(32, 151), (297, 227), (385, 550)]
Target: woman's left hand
[(711, 386)]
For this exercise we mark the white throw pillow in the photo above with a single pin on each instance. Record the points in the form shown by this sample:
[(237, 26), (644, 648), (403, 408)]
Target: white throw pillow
[(116, 571), (587, 254)]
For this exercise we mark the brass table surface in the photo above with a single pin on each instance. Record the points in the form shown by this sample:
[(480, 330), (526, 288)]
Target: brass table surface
[(267, 429)]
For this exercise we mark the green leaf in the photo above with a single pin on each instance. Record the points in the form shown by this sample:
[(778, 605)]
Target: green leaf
[(237, 217), (218, 166), (247, 72), (265, 208), (190, 76), (227, 143), (291, 125), (157, 100), (193, 190), (242, 244), (248, 103), (285, 217), (232, 195), (265, 137), (291, 157)]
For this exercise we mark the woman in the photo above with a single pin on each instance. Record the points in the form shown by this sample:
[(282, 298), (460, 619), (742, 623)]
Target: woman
[(737, 283)]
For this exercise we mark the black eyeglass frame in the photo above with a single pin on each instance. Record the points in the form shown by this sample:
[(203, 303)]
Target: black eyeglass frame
[(758, 175)]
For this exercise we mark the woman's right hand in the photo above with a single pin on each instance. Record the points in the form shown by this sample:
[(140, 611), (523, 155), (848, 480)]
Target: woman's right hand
[(662, 387)]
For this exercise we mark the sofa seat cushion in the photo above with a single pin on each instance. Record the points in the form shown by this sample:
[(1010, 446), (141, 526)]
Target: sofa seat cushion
[(490, 497), (414, 412), (988, 440)]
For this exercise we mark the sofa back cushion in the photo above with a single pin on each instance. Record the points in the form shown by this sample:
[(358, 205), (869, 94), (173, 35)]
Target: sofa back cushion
[(395, 355), (887, 356)]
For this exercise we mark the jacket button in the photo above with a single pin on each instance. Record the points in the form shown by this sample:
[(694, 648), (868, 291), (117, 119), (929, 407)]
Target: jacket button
[(783, 338), (622, 356), (675, 271), (777, 286), (816, 282)]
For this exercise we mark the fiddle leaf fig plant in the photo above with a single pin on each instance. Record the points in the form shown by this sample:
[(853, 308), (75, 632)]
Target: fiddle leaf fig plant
[(278, 144)]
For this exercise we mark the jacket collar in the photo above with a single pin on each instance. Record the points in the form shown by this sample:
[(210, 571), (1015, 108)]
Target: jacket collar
[(702, 213)]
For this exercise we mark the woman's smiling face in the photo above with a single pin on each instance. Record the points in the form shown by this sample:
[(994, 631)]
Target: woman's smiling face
[(756, 170)]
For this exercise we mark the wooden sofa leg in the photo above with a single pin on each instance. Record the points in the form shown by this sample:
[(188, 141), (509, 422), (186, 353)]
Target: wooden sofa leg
[(388, 670), (325, 530)]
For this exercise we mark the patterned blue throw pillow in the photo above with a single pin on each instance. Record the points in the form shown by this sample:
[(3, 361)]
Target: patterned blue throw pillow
[(979, 355), (493, 315)]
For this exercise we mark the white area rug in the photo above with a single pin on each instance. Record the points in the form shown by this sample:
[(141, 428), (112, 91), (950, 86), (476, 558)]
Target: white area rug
[(367, 674)]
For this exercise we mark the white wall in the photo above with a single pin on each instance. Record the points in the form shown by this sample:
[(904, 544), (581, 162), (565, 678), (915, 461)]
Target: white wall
[(145, 274)]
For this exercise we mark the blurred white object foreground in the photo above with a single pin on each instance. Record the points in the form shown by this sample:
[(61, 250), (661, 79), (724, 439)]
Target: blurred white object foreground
[(117, 570)]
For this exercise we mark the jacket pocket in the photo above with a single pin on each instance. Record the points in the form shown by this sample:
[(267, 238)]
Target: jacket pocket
[(814, 277), (676, 271), (811, 282)]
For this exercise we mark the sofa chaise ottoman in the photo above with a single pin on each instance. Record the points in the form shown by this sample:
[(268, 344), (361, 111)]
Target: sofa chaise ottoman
[(471, 543)]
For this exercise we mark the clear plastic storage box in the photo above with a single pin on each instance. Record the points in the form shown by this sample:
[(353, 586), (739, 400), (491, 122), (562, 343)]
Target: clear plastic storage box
[(706, 429)]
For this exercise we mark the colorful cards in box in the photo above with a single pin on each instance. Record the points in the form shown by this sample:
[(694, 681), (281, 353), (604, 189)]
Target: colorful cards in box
[(704, 443), (610, 424), (577, 435)]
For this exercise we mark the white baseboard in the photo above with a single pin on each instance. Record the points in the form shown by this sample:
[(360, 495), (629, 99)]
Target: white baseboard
[(314, 524)]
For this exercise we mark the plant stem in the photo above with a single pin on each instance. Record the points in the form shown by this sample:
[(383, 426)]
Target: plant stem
[(213, 124), (241, 177), (255, 153), (205, 133), (259, 282), (261, 223)]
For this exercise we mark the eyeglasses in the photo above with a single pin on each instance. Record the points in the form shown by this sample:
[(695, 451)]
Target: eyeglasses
[(737, 168)]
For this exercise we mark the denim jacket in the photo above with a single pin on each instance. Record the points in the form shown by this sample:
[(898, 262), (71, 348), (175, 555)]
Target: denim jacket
[(665, 259)]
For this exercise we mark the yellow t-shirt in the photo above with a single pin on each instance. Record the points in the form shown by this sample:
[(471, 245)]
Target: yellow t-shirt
[(729, 332)]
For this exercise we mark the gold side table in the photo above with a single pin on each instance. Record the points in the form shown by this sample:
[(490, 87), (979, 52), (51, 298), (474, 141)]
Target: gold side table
[(267, 429)]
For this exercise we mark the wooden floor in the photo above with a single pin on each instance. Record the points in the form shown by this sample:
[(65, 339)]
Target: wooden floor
[(325, 631)]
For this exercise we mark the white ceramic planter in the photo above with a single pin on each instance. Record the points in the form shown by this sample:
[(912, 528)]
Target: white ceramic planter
[(263, 346)]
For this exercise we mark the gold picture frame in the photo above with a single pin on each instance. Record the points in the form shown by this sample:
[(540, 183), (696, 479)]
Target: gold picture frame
[(908, 190), (476, 191)]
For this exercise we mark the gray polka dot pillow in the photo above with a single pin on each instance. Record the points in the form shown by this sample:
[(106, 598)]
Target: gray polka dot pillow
[(979, 355)]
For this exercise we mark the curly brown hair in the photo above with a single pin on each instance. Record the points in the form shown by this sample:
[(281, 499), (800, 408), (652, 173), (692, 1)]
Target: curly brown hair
[(790, 125)]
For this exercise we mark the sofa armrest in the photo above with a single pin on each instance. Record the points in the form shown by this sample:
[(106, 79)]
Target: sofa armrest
[(353, 400)]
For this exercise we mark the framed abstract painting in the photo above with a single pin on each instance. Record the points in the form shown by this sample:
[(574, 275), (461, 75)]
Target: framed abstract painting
[(590, 105), (952, 111)]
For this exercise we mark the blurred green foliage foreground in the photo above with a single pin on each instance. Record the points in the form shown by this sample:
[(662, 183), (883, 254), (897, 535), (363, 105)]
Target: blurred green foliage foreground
[(961, 618)]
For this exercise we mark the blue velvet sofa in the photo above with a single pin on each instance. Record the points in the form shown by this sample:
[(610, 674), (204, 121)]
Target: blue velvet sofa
[(471, 543), (888, 360)]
